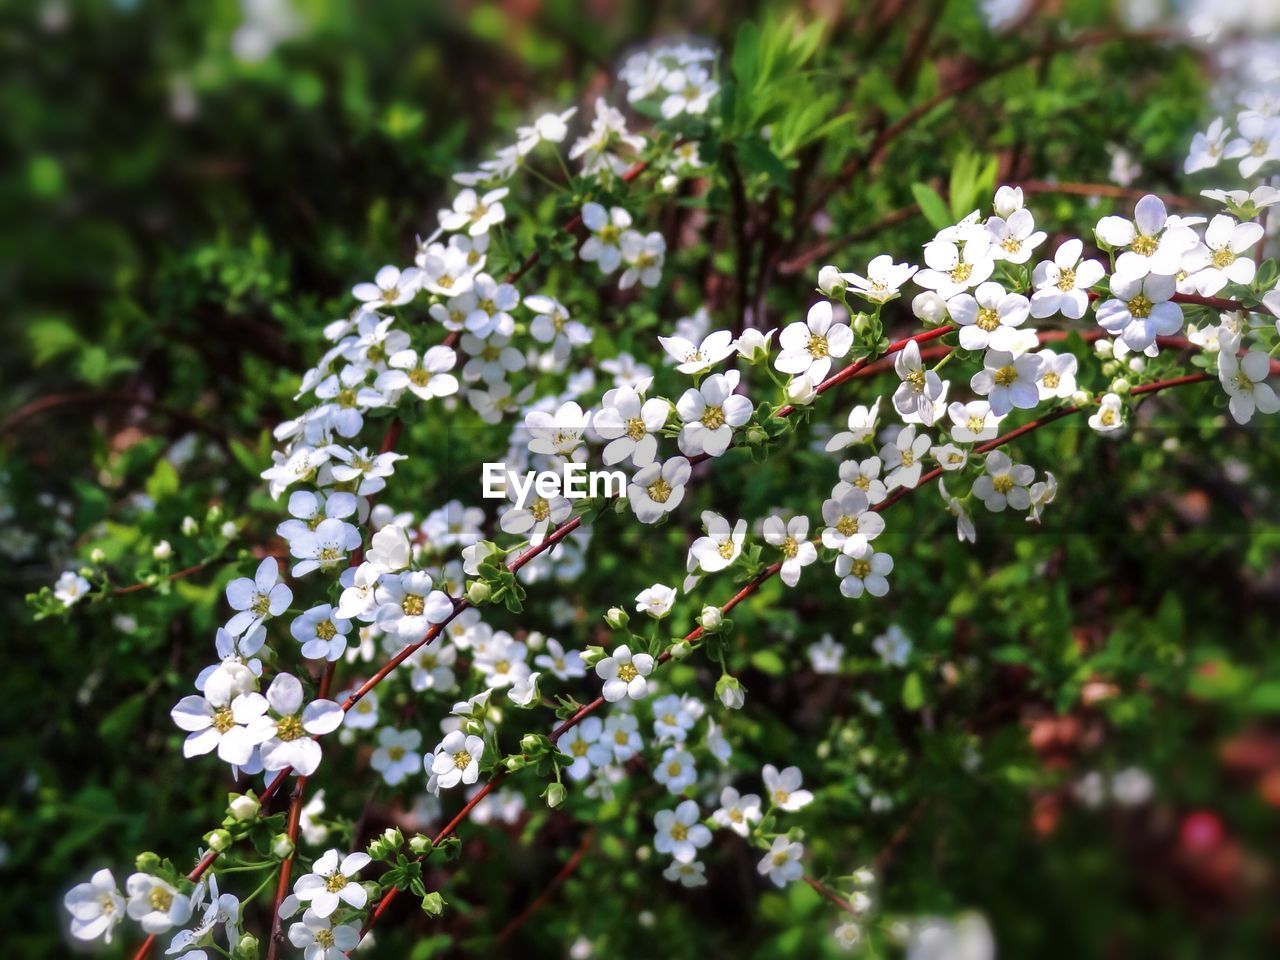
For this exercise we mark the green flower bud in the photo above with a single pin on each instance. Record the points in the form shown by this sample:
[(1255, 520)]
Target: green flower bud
[(218, 839), (617, 618), (479, 592), (433, 904), (555, 794), (281, 846), (244, 806)]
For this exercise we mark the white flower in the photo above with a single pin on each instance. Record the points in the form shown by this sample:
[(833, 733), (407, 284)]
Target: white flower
[(1004, 483), (232, 725), (1244, 379), (955, 265), (850, 522), (903, 457), (1257, 145), (808, 346), (431, 667), (156, 904), (783, 788), (792, 538), (330, 883), (70, 587), (1218, 261), (427, 377), (320, 939), (391, 287), (688, 874), (629, 425), (656, 600), (864, 571), (258, 599), (721, 545), (1042, 494), (1057, 375), (826, 654), (862, 427), (96, 907), (1110, 414), (753, 345), (674, 716), (502, 661), (949, 456), (1062, 285), (624, 674), (1013, 238), (973, 422), (678, 832), (523, 691), (598, 150), (561, 663), (657, 489), (989, 317), (782, 863), (1155, 245), (604, 246), (552, 324), (1008, 382), (691, 359), (919, 388), (456, 760), (491, 304), (863, 474), (675, 770), (492, 359), (622, 735), (290, 740), (1007, 201), (583, 743), (1207, 147), (711, 412), (559, 434), (537, 517), (1132, 787), (848, 935), (737, 812), (408, 606), (689, 90), (396, 756), (644, 255), (474, 213), (883, 281), (371, 471), (893, 646), (323, 548), (222, 908), (965, 530), (389, 550)]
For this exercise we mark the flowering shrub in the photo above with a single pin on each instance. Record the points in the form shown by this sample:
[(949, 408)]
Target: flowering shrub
[(400, 667)]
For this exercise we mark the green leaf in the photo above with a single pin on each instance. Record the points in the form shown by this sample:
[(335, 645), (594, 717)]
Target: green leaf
[(768, 661), (912, 692), (932, 206), (163, 481)]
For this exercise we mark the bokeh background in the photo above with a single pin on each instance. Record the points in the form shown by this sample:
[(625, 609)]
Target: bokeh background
[(193, 188)]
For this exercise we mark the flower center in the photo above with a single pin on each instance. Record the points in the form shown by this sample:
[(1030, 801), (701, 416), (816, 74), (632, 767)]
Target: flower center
[(1006, 376), (1002, 483), (579, 748), (288, 728), (608, 234), (790, 547), (1051, 380), (988, 319), (335, 882), (961, 272), (627, 672), (818, 346), (222, 719), (780, 858), (1259, 148), (713, 418), (679, 832), (261, 605), (1067, 280), (635, 428), (324, 938), (540, 509), (908, 458), (395, 753), (413, 604), (325, 630), (862, 483), (462, 759), (1011, 244), (1145, 246), (725, 549), (659, 491), (1140, 306), (160, 899), (861, 569), (1223, 258), (916, 379), (847, 525), (975, 424), (419, 377)]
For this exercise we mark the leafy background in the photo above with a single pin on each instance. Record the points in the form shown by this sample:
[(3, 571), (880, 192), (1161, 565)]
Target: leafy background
[(182, 222)]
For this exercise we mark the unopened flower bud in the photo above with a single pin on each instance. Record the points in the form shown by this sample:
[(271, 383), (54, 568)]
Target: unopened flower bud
[(433, 904), (247, 948), (147, 862), (757, 436), (228, 530), (215, 513), (1137, 363), (680, 649), (190, 526), (1103, 348), (730, 692), (860, 323), (281, 846), (478, 592), (162, 550), (555, 794), (929, 307), (1081, 397), (711, 618), (617, 618), (218, 839), (753, 346), (244, 807), (530, 743), (1121, 386), (801, 390), (419, 845), (830, 281)]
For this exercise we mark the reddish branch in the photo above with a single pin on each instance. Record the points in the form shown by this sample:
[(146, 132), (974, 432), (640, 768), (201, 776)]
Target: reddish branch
[(540, 901)]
